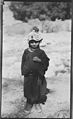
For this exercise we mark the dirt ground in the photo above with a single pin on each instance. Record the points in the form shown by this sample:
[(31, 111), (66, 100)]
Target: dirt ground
[(57, 104)]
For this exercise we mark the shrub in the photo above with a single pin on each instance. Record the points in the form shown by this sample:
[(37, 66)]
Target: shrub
[(42, 10)]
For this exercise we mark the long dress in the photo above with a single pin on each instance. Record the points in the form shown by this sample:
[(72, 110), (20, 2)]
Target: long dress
[(34, 74)]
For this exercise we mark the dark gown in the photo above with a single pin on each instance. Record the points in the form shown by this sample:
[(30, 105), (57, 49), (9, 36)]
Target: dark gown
[(34, 80)]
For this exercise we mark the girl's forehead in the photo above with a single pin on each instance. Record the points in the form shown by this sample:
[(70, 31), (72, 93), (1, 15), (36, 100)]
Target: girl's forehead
[(33, 41)]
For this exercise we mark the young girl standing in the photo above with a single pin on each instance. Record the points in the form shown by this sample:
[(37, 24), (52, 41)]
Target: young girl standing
[(34, 64)]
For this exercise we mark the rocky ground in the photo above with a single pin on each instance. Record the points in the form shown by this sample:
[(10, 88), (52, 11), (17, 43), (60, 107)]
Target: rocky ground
[(58, 48)]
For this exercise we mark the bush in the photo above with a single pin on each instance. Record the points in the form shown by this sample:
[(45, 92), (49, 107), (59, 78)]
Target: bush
[(42, 10)]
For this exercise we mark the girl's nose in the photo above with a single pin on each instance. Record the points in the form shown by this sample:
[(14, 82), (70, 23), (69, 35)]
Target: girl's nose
[(34, 43)]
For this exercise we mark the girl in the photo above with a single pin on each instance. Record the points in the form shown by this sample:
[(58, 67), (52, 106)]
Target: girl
[(34, 64)]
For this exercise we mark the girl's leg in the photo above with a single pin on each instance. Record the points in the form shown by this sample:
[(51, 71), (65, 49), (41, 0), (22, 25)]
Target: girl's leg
[(38, 107), (28, 105), (33, 109)]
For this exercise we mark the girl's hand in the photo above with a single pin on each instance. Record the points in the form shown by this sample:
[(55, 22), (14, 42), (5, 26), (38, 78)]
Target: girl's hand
[(36, 59)]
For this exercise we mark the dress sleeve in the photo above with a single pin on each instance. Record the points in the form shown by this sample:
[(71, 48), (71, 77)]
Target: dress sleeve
[(23, 61), (45, 60), (45, 63)]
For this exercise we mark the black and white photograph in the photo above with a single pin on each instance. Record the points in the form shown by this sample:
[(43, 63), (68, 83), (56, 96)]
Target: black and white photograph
[(36, 59)]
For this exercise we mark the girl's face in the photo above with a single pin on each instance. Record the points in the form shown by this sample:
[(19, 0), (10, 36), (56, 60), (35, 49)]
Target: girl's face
[(34, 44)]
